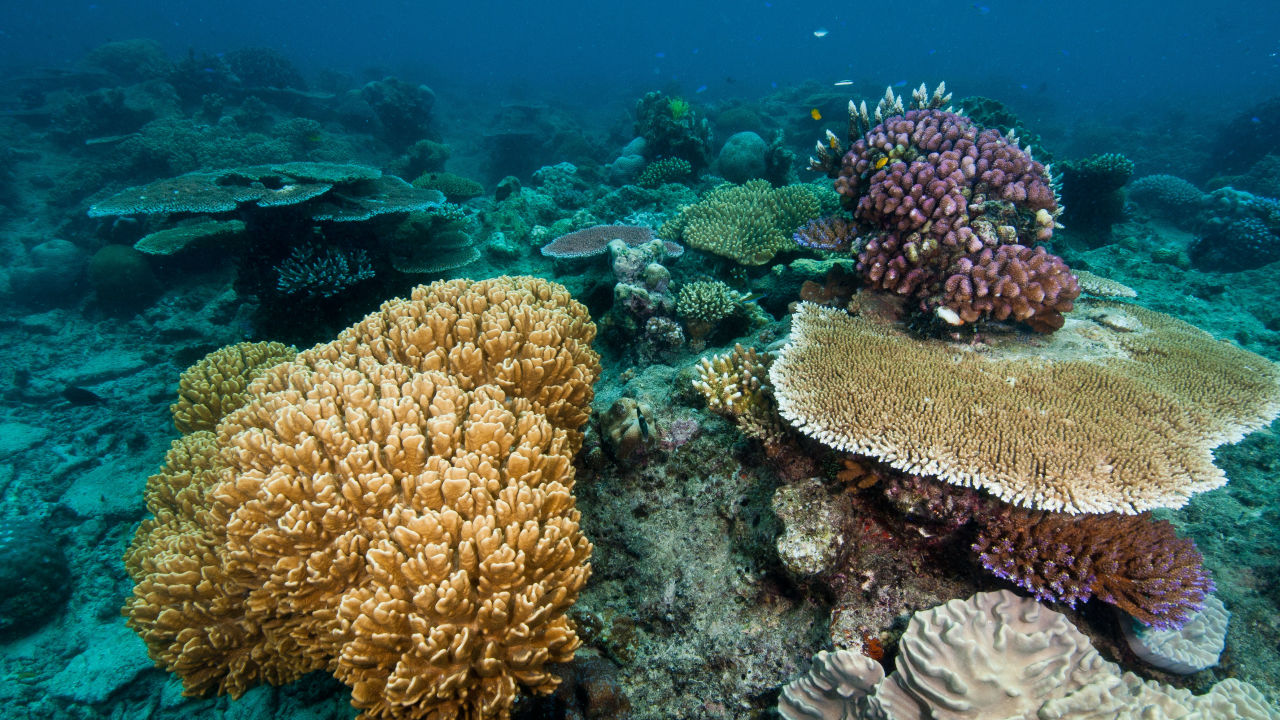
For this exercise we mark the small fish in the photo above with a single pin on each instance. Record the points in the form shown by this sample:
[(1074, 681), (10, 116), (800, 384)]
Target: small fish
[(644, 424), (843, 83), (982, 9), (900, 83), (820, 32), (882, 162), (813, 113), (660, 55), (701, 89), (80, 396)]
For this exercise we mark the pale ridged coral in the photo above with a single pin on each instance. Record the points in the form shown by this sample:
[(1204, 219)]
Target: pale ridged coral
[(394, 507), (748, 223), (997, 655), (216, 384), (1119, 414), (1195, 646)]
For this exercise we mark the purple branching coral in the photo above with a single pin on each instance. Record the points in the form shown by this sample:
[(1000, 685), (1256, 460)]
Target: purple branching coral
[(933, 195), (1139, 565)]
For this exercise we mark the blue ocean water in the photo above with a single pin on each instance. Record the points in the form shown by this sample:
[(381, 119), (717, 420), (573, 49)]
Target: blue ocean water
[(182, 185)]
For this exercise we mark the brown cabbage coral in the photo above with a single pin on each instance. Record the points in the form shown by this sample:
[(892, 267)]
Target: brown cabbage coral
[(217, 384), (394, 507), (749, 223), (1117, 412)]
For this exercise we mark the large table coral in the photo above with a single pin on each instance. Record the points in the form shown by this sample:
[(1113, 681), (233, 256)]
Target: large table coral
[(395, 507), (1119, 412)]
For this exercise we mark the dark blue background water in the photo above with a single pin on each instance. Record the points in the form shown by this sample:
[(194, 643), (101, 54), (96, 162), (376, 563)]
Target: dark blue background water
[(1075, 54)]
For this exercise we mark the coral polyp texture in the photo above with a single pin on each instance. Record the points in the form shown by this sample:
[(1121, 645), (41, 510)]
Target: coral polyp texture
[(1139, 565), (218, 383), (947, 213), (997, 655), (1117, 412), (395, 507)]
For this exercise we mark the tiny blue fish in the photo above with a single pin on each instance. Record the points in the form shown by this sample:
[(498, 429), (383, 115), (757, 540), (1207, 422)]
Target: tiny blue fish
[(660, 55), (701, 88)]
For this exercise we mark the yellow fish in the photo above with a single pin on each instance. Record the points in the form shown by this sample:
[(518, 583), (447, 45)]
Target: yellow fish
[(815, 114), (882, 162)]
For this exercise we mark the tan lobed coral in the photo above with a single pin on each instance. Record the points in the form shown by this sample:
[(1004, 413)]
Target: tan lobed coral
[(216, 384), (997, 655), (394, 507), (748, 223), (1117, 412)]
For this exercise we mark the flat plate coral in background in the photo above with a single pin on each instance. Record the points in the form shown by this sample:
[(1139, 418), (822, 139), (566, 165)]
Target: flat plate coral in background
[(1118, 411)]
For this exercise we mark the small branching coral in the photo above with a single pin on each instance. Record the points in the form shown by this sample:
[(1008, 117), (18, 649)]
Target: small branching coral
[(736, 385)]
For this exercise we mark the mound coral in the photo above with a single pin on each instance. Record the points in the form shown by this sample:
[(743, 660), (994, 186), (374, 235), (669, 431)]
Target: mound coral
[(747, 223), (935, 196), (1118, 412), (997, 655), (394, 507)]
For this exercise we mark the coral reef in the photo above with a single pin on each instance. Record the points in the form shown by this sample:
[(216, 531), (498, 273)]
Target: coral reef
[(746, 223), (1122, 416), (403, 110), (219, 382), (595, 240), (704, 304), (434, 241), (742, 158), (1245, 139), (263, 67), (1168, 195), (322, 272), (1197, 645), (833, 233), (34, 574), (663, 171), (936, 196), (455, 187), (1091, 191), (1139, 565), (122, 278), (671, 128), (735, 384), (432, 575), (1000, 655)]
